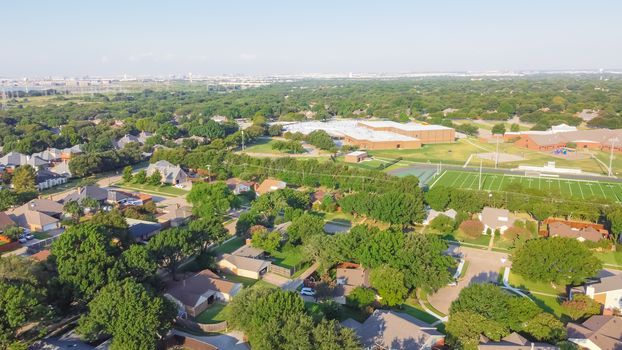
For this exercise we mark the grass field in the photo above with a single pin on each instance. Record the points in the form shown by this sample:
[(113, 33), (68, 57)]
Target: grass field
[(263, 145), (165, 190), (230, 246), (576, 189), (213, 314)]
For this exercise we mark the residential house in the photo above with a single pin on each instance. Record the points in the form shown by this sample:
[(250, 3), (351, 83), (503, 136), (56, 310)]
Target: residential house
[(269, 185), (141, 230), (15, 159), (349, 276), (579, 230), (433, 214), (175, 216), (355, 157), (125, 140), (238, 186), (45, 179), (513, 341), (249, 251), (195, 294), (62, 168), (392, 330), (37, 215), (496, 219), (597, 333), (243, 266), (171, 174), (606, 290), (5, 221)]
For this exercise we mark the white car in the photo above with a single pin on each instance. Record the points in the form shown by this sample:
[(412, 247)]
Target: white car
[(307, 291), (179, 186)]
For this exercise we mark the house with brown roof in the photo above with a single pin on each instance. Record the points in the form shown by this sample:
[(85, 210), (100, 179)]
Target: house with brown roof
[(597, 333), (393, 330), (579, 230), (5, 222), (606, 290), (348, 277), (249, 251), (38, 215), (496, 219), (513, 341), (195, 294), (269, 185), (243, 266)]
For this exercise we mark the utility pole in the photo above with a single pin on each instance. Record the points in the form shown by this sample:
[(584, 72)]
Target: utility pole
[(613, 141)]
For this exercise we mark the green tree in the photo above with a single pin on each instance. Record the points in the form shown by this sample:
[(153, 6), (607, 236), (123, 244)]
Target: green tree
[(438, 197), (465, 328), (171, 246), (24, 179), (74, 209), (275, 130), (545, 327), (389, 282), (20, 303), (614, 217), (210, 199), (155, 179), (115, 311), (206, 231), (514, 128), (269, 241), (361, 297), (140, 177), (138, 262), (304, 227), (559, 260), (127, 174), (442, 223), (85, 259), (498, 129), (581, 306)]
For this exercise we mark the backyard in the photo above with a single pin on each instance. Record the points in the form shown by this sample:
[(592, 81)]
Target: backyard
[(216, 313), (163, 190)]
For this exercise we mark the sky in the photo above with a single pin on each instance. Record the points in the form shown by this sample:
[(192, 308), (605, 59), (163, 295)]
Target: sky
[(209, 37)]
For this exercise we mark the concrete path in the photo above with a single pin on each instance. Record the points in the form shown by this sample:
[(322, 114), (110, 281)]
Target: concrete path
[(484, 266), (442, 319), (294, 284), (275, 279), (506, 283)]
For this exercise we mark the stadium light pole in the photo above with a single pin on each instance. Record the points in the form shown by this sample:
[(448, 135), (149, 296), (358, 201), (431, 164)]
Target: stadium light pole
[(497, 154), (480, 175), (613, 141)]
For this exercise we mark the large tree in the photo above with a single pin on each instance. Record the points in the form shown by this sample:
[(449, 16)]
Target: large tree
[(209, 199), (559, 260), (134, 317), (24, 179), (304, 227), (86, 259), (171, 246), (389, 282)]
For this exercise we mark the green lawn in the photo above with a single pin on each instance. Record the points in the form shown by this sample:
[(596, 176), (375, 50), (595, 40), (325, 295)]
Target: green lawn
[(450, 153), (613, 258), (415, 310), (465, 267), (522, 283), (41, 235), (550, 305), (247, 282), (214, 314), (424, 299), (456, 236), (166, 190), (289, 256), (263, 145), (230, 246)]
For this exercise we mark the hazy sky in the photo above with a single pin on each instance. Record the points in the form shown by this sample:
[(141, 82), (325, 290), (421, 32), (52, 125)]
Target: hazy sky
[(266, 37)]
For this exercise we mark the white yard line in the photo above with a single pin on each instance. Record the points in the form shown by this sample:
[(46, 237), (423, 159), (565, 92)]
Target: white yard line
[(467, 161), (438, 178), (478, 146)]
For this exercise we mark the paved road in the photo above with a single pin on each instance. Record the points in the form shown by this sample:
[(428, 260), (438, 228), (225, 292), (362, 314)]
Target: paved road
[(483, 266)]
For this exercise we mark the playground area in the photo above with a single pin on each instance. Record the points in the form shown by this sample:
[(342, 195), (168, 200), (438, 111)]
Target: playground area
[(576, 189)]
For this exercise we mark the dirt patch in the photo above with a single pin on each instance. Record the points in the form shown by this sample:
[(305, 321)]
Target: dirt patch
[(503, 157)]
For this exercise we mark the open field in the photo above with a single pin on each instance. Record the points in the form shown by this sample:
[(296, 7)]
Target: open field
[(263, 145), (164, 190), (576, 189)]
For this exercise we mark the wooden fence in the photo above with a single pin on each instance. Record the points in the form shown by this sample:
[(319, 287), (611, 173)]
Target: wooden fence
[(280, 270), (205, 327)]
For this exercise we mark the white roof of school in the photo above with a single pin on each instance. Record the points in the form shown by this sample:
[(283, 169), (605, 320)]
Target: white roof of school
[(357, 153), (341, 128), (404, 126)]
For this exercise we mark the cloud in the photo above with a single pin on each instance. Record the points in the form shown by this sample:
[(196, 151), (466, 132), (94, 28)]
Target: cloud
[(104, 59)]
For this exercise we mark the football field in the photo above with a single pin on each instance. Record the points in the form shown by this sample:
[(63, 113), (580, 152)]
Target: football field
[(576, 189)]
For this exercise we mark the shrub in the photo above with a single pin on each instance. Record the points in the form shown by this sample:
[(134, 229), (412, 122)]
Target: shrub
[(472, 228), (581, 306), (442, 223), (514, 232), (361, 297)]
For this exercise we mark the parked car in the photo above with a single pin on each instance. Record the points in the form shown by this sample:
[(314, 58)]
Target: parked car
[(179, 186), (29, 236), (307, 291), (22, 239)]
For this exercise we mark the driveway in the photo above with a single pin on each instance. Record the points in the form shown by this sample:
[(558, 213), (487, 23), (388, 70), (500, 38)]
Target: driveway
[(483, 266)]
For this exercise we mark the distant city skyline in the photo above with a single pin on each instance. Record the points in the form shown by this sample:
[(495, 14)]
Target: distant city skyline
[(73, 38)]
